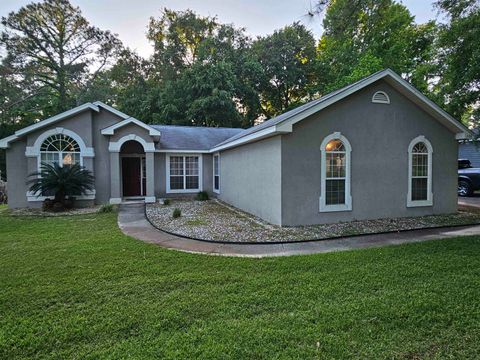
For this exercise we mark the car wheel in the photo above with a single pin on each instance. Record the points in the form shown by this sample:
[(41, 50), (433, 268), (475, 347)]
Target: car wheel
[(464, 188)]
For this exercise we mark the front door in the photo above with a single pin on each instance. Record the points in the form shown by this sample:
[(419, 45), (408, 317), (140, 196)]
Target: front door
[(132, 176)]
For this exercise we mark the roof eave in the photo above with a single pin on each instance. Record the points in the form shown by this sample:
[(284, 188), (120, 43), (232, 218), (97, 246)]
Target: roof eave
[(287, 124), (130, 120), (4, 143), (256, 136)]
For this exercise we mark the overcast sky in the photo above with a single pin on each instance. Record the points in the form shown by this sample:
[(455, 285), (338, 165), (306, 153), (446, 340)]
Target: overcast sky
[(129, 18)]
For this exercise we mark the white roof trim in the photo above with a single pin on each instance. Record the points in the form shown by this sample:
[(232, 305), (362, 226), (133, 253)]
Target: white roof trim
[(130, 120), (111, 109), (51, 120), (286, 125), (183, 151), (267, 132), (56, 118), (4, 143)]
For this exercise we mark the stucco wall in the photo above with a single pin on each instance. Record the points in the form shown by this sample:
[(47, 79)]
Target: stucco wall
[(17, 175), (87, 125), (379, 135), (250, 178), (102, 120)]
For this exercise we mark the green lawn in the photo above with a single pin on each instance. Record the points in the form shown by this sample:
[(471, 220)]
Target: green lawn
[(75, 287)]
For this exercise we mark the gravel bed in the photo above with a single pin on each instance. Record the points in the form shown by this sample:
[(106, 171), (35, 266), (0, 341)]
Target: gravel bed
[(215, 221), (41, 213)]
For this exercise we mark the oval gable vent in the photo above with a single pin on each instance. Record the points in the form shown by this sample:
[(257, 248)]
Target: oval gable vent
[(380, 97)]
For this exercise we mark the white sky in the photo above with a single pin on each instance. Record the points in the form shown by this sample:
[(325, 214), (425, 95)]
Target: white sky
[(129, 18)]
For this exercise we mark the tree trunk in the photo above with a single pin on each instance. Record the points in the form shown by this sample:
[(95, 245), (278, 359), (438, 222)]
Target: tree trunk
[(60, 197)]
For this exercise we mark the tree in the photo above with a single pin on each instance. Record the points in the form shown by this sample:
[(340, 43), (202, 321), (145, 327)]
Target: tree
[(202, 96), (459, 59), (287, 67), (208, 63), (363, 36), (177, 37), (63, 181), (54, 45), (125, 85)]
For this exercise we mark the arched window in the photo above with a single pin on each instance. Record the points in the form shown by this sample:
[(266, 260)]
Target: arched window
[(335, 174), (420, 173), (60, 149)]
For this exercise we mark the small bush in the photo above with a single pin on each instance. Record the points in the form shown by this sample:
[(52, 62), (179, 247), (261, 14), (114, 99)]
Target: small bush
[(177, 213), (202, 196), (166, 202), (106, 208)]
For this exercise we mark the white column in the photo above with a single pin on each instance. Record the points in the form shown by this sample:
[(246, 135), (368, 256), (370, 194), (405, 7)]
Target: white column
[(150, 167), (115, 192)]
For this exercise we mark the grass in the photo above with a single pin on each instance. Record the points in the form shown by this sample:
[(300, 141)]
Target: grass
[(75, 287)]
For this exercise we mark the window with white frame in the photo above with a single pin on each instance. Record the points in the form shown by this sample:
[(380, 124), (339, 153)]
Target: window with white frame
[(335, 174), (184, 173), (216, 173), (60, 149), (420, 173)]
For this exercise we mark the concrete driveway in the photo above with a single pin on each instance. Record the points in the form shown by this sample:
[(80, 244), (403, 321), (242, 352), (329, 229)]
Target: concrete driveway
[(470, 202)]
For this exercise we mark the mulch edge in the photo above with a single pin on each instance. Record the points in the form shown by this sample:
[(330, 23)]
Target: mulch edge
[(302, 241)]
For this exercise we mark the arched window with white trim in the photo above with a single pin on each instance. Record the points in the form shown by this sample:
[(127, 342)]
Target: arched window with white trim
[(60, 149), (420, 173), (335, 174)]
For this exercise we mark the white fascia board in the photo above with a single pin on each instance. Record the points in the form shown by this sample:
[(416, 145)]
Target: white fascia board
[(111, 129), (56, 118), (442, 114), (112, 109), (267, 132), (437, 109), (4, 143), (183, 151)]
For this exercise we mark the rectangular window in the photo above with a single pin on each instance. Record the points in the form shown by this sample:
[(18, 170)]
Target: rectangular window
[(49, 158), (184, 173), (216, 173), (419, 177), (335, 179)]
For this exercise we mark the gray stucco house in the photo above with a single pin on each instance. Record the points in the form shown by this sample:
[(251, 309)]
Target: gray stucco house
[(377, 148)]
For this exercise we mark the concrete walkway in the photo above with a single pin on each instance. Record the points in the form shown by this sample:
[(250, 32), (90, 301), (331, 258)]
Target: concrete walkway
[(132, 221)]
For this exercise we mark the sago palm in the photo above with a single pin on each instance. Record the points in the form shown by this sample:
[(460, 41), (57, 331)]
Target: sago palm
[(61, 180)]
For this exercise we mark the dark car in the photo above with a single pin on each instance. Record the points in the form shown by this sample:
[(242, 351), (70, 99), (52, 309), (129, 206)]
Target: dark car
[(468, 178)]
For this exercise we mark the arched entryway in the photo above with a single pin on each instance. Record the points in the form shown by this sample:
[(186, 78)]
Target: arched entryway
[(133, 170)]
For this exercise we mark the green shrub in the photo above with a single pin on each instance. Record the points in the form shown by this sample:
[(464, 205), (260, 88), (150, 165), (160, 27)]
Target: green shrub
[(202, 196), (106, 208), (166, 202), (177, 213)]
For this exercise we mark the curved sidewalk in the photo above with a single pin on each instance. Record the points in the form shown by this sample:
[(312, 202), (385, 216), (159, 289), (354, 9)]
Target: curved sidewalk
[(132, 222)]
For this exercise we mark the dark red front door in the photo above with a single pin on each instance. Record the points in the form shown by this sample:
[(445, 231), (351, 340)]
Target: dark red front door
[(131, 175)]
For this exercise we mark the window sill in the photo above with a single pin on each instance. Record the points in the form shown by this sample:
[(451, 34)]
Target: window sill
[(183, 191), (423, 203), (334, 208), (31, 197)]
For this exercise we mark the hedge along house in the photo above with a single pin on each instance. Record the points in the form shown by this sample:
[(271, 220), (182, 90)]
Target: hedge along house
[(377, 148)]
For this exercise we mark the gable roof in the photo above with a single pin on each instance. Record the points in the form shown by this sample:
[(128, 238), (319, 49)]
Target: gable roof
[(194, 138), (111, 129), (284, 122), (4, 143)]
